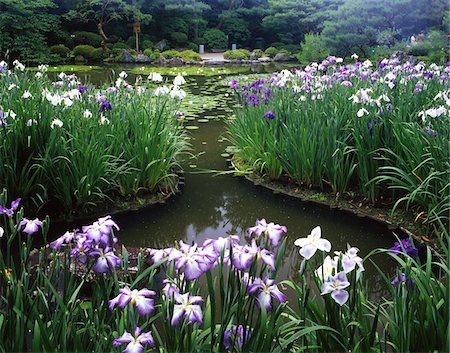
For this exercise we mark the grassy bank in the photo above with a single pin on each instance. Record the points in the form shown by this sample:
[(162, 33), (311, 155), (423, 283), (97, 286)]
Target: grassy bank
[(67, 146), (376, 132)]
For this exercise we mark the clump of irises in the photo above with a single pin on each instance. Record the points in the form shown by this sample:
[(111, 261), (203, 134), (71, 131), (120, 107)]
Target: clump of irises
[(222, 295)]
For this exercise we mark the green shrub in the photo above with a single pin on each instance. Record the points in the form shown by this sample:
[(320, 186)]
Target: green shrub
[(258, 52), (170, 54), (84, 50), (89, 38), (271, 52), (239, 54), (190, 55), (278, 45), (89, 52), (147, 44), (121, 45), (178, 39), (215, 39), (61, 50), (291, 48), (420, 49), (98, 54), (131, 41), (313, 48), (153, 55), (116, 54), (435, 42), (193, 46)]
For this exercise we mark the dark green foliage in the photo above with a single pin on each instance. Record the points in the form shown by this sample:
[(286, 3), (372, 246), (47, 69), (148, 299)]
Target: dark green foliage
[(193, 46), (61, 50), (433, 45), (313, 48), (178, 39), (215, 39), (24, 26), (89, 38), (239, 54), (190, 55), (121, 45), (89, 52), (170, 54), (83, 50), (153, 55), (147, 44), (237, 29), (258, 52), (271, 52)]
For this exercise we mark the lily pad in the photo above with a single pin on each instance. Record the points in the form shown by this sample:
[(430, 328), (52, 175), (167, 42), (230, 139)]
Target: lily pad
[(191, 127)]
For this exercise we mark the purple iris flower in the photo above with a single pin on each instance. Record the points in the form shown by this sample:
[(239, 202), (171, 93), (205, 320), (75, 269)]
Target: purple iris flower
[(335, 285), (272, 231), (242, 257), (187, 307), (194, 261), (10, 211), (401, 278), (106, 260), (104, 105), (222, 246), (270, 115), (265, 255), (159, 254), (66, 238), (428, 75), (418, 88), (235, 335), (30, 226), (100, 230), (82, 249), (170, 288), (404, 247), (82, 88), (135, 342), (265, 290), (430, 131), (144, 305), (234, 84)]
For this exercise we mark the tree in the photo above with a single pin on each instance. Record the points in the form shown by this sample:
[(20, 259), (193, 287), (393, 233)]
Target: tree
[(24, 26), (359, 24), (103, 12)]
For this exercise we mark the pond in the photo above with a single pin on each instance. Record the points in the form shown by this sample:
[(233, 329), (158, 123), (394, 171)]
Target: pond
[(212, 206)]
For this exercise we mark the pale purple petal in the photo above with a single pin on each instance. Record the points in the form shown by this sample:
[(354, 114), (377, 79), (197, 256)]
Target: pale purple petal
[(178, 312), (125, 338), (340, 296), (134, 347), (145, 306), (308, 251)]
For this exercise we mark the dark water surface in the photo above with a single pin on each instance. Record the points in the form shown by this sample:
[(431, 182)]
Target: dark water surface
[(212, 206)]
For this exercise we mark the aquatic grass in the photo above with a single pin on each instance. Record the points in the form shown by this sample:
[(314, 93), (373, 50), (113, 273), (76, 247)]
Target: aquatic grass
[(70, 147), (51, 299), (350, 129), (417, 314)]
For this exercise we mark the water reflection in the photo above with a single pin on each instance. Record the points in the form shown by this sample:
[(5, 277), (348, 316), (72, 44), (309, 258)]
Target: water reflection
[(209, 207)]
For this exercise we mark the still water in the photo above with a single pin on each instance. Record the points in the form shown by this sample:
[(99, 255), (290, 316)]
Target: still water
[(211, 206)]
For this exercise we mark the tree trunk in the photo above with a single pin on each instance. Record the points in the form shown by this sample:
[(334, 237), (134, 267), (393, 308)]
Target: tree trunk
[(102, 34)]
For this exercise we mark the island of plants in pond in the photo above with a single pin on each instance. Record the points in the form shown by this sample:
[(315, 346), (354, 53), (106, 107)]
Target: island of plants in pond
[(70, 147), (82, 293), (379, 131)]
